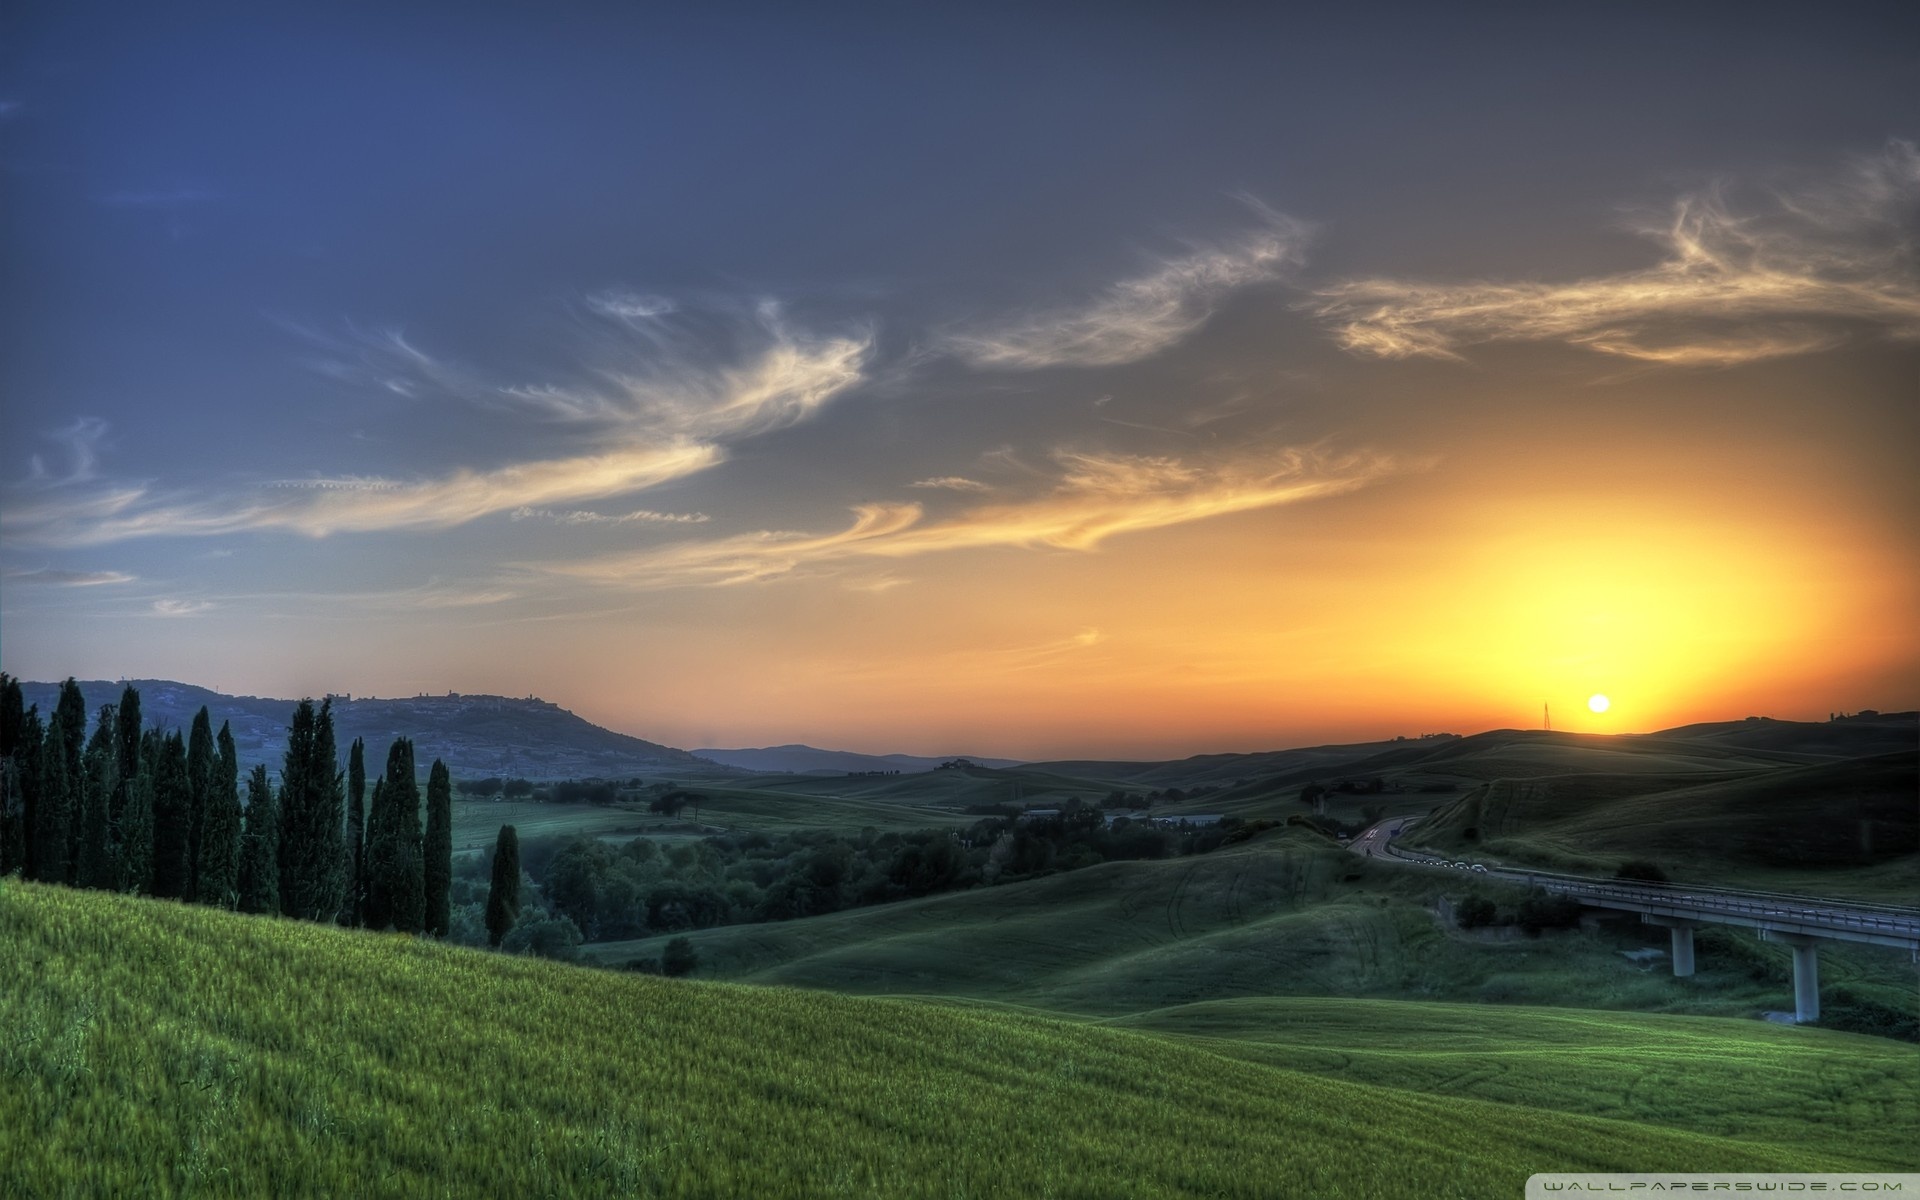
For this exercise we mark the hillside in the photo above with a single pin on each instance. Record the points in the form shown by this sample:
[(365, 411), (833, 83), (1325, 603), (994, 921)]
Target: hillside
[(807, 760), (161, 1049), (1795, 828), (476, 736), (1286, 913)]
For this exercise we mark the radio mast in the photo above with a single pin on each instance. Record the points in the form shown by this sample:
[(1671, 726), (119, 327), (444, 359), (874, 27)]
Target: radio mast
[(1546, 714)]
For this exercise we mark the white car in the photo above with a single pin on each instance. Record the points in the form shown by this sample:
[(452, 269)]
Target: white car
[(1478, 867)]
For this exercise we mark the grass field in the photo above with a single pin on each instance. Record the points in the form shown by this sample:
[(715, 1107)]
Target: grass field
[(155, 1049), (726, 809), (1285, 914), (1789, 1087)]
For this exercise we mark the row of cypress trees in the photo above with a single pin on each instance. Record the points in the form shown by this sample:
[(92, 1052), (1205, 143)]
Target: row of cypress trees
[(150, 812)]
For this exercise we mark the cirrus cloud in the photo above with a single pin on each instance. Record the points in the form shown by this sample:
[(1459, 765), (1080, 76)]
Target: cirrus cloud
[(1790, 276), (1095, 497), (1139, 317)]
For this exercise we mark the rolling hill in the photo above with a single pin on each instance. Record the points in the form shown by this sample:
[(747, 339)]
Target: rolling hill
[(806, 760), (476, 736), (1825, 828), (161, 1049)]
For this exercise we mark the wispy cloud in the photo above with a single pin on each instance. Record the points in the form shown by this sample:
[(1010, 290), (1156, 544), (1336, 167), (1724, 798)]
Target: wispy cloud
[(1139, 317), (580, 516), (662, 418), (82, 443), (1789, 275), (50, 577), (952, 483), (1094, 497), (369, 505), (180, 608), (717, 374)]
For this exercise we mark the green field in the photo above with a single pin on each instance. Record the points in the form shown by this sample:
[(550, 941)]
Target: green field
[(725, 810), (157, 1049), (1747, 1080), (1287, 913)]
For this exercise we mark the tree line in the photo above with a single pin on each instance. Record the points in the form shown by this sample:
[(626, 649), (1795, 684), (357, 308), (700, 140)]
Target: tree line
[(149, 812)]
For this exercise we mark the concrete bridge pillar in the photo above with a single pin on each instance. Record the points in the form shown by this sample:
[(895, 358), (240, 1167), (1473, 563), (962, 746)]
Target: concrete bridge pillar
[(1806, 973), (1682, 933)]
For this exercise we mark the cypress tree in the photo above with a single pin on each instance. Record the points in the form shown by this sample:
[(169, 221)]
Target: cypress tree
[(376, 910), (311, 886), (13, 712), (199, 779), (72, 709), (54, 806), (503, 898), (93, 866), (133, 868), (401, 863), (259, 884), (127, 750), (357, 831), (27, 761), (219, 876), (437, 867), (171, 800), (13, 830)]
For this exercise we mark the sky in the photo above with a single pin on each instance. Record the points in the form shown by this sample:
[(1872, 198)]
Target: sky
[(1033, 380)]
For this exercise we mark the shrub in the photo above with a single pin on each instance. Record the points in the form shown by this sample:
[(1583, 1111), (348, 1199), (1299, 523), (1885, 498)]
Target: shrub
[(1475, 912), (679, 958), (1542, 910), (547, 937)]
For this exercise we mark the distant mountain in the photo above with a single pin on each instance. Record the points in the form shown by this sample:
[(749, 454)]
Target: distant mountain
[(476, 736), (806, 760)]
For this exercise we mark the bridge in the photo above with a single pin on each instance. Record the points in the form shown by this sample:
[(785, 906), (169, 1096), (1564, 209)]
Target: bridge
[(1799, 922)]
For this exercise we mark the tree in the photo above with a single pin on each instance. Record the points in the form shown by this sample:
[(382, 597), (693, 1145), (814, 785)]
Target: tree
[(28, 758), (199, 780), (396, 885), (572, 884), (13, 830), (259, 885), (126, 769), (171, 862), (357, 830), (376, 906), (93, 864), (437, 867), (503, 898), (310, 817), (679, 958), (53, 810), (133, 859), (13, 712), (219, 876)]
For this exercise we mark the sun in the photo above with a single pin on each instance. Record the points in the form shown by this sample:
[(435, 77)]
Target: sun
[(1599, 703)]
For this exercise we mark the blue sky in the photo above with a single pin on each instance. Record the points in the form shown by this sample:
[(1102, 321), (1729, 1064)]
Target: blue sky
[(1055, 379)]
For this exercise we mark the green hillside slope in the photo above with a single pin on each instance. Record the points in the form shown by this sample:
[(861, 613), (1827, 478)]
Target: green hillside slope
[(155, 1049), (1786, 1086), (1287, 913), (1845, 827)]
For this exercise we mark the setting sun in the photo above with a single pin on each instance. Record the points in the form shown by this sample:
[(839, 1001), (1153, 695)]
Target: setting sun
[(1598, 703)]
